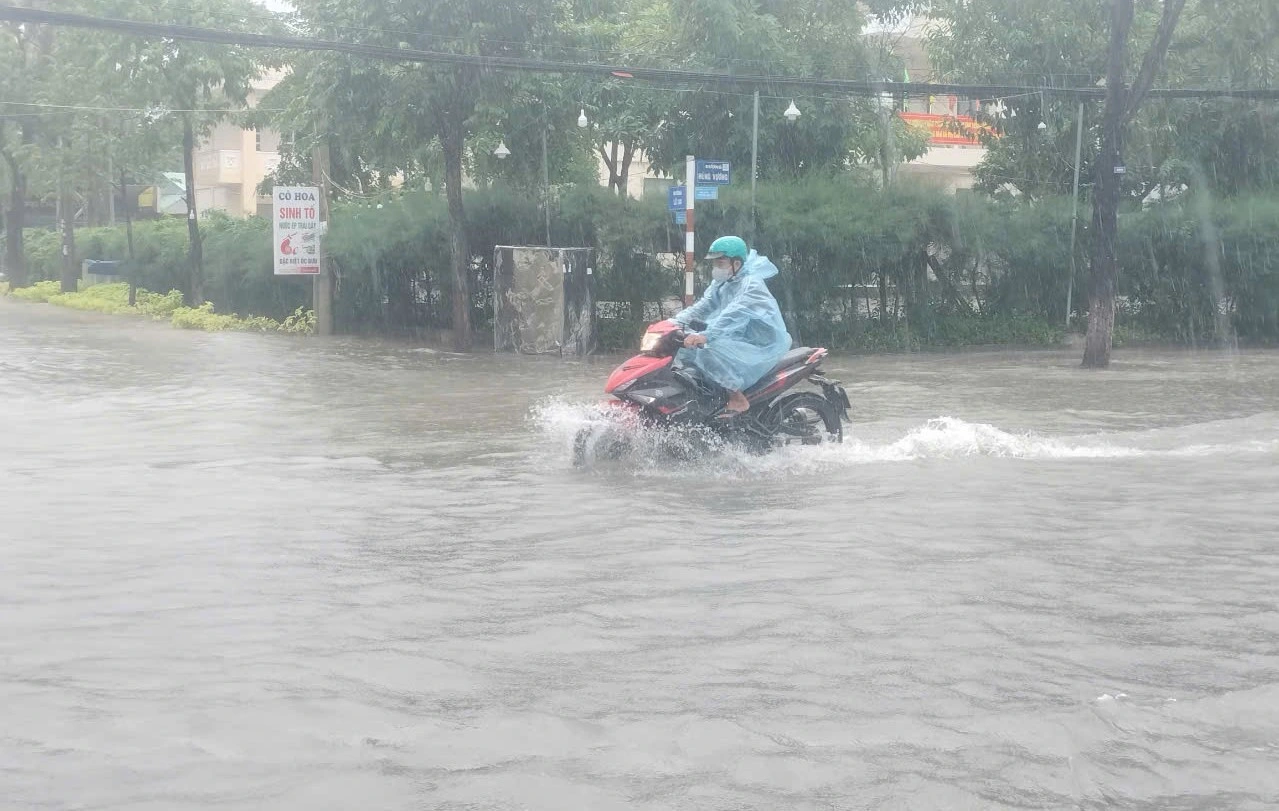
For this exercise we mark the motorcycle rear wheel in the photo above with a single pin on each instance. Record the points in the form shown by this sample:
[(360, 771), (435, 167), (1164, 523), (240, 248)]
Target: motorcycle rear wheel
[(809, 418)]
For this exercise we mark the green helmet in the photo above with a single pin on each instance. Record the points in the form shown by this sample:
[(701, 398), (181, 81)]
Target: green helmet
[(731, 247)]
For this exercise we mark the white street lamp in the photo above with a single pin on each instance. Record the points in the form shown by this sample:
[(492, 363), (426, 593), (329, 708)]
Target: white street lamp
[(792, 112), (502, 152), (581, 120)]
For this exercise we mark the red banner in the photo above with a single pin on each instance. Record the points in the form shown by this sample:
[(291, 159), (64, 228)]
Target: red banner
[(948, 130)]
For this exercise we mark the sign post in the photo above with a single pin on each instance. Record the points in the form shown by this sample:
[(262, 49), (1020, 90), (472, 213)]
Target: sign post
[(296, 215), (690, 247), (703, 177), (675, 198), (714, 173), (298, 234)]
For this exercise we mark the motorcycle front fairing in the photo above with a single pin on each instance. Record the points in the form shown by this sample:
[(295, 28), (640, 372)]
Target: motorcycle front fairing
[(665, 391), (650, 380)]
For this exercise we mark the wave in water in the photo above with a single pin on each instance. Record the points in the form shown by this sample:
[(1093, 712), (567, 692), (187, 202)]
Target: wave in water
[(561, 422)]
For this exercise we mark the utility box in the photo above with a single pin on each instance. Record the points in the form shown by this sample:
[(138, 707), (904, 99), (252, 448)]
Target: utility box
[(101, 271), (543, 300)]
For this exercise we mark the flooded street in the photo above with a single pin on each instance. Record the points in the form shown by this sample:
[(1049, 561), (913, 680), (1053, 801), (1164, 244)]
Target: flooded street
[(262, 572)]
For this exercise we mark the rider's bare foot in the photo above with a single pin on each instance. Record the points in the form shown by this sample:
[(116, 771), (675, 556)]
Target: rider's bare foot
[(737, 402)]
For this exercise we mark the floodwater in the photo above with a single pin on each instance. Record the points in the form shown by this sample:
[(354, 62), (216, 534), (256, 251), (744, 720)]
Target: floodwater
[(263, 572)]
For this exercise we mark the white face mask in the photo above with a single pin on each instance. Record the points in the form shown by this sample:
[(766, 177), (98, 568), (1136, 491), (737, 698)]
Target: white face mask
[(721, 274)]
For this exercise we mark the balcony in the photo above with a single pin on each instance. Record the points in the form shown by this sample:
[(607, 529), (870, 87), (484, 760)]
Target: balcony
[(220, 167)]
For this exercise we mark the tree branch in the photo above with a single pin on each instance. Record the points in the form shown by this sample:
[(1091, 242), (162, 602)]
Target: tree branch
[(1155, 56)]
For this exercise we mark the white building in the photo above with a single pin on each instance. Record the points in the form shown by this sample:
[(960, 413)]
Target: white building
[(952, 155)]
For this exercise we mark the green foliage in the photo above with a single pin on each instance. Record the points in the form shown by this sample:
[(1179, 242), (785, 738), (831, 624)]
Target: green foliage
[(862, 268), (1198, 268), (113, 299), (380, 118), (393, 261), (1227, 146), (204, 318), (237, 261), (239, 272), (301, 322), (40, 291)]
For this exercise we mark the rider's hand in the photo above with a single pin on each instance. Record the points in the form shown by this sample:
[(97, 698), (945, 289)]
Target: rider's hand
[(695, 340)]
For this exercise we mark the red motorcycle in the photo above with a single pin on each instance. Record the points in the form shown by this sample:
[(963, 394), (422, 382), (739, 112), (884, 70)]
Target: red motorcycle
[(652, 392)]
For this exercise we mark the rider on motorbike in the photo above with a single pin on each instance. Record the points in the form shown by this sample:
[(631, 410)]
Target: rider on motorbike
[(745, 335)]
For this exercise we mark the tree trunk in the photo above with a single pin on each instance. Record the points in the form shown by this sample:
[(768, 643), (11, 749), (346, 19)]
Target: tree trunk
[(615, 169), (15, 260), (956, 295), (624, 174), (195, 250), (1121, 104), (981, 310), (451, 138), (1104, 270), (609, 163), (128, 233)]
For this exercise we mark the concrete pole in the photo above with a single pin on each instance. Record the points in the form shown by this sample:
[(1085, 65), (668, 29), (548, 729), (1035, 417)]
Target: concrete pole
[(322, 284), (690, 247)]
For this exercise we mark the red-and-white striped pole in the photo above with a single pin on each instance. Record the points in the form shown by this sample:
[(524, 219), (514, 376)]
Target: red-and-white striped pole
[(690, 247)]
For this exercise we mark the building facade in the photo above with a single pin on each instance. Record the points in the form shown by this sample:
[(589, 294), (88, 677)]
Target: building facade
[(233, 161)]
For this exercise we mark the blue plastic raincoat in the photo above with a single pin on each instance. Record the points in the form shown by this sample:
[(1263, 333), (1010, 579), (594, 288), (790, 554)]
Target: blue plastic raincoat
[(745, 333)]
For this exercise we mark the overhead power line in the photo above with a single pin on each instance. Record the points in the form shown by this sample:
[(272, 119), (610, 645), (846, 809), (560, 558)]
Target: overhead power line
[(654, 75)]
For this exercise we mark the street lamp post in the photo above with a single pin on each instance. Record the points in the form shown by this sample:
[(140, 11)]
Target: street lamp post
[(502, 153), (885, 102)]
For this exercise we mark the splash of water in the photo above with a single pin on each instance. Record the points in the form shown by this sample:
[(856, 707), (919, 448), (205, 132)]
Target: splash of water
[(562, 422), (947, 437)]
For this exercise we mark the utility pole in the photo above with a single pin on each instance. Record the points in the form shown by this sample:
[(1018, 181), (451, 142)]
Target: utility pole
[(322, 284), (546, 186), (754, 161), (1074, 211)]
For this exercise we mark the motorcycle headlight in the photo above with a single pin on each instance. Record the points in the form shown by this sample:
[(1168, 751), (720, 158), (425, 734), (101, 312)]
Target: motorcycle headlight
[(650, 341)]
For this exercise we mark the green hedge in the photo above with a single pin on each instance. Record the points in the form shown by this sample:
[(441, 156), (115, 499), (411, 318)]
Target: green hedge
[(237, 261), (862, 268)]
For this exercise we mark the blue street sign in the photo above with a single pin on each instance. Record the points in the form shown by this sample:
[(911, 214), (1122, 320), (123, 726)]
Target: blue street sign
[(714, 173), (681, 217), (707, 193), (675, 200)]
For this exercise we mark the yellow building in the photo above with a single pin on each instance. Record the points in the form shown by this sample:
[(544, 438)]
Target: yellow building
[(232, 161)]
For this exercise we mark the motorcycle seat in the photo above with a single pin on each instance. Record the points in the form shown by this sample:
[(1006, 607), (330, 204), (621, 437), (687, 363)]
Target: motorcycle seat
[(791, 359), (795, 357)]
